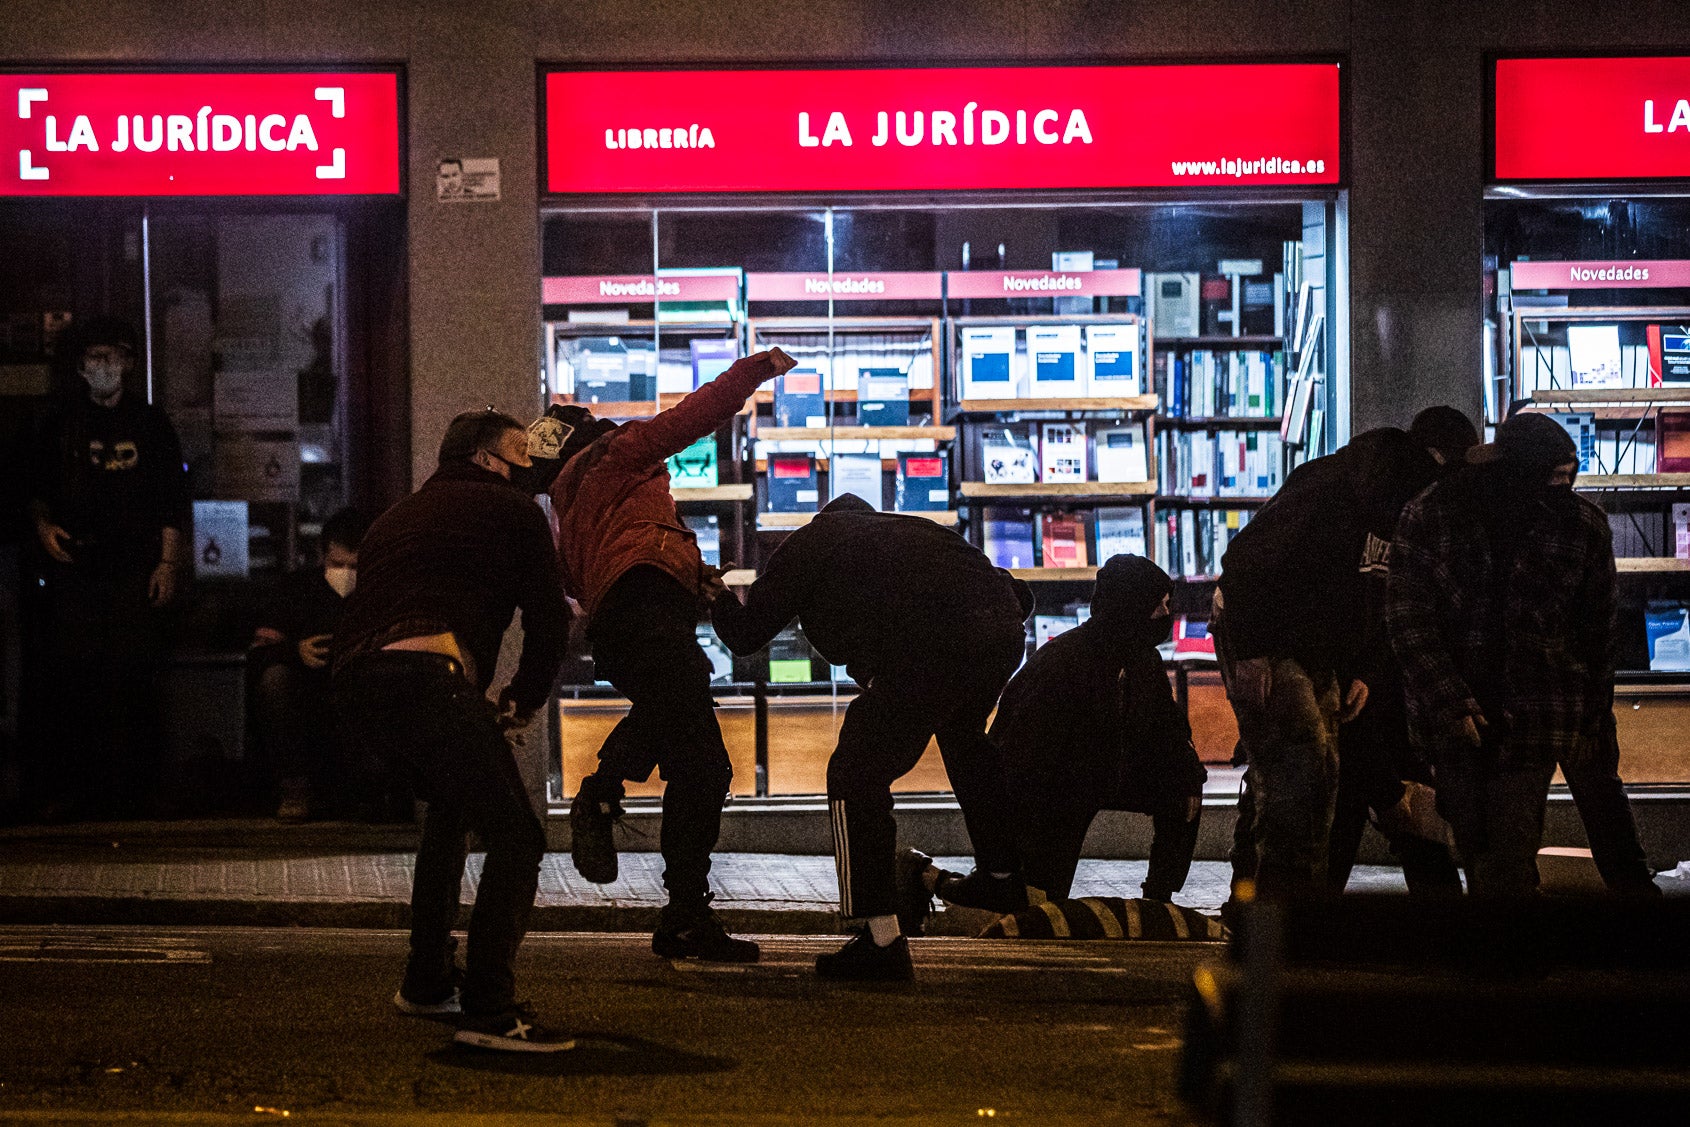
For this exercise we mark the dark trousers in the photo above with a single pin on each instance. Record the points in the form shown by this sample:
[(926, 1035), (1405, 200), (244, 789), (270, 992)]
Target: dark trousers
[(645, 643), (1052, 837), (419, 714), (885, 732), (1496, 809), (1599, 794), (290, 710)]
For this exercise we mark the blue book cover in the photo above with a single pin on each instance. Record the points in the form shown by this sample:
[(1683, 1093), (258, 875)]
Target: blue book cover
[(1009, 537), (791, 483), (883, 398), (708, 532), (710, 358), (924, 483), (798, 399)]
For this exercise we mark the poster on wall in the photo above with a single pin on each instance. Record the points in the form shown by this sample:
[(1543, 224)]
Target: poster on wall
[(467, 180), (220, 540), (256, 469)]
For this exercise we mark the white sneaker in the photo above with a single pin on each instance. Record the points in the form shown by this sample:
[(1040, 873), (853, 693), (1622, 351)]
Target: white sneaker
[(447, 1005)]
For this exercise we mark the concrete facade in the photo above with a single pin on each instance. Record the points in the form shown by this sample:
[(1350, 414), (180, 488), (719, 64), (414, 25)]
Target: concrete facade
[(1415, 126)]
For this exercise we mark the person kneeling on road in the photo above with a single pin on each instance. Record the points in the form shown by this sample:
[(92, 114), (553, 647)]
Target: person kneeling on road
[(931, 631)]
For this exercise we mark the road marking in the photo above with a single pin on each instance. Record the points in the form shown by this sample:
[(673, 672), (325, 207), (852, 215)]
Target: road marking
[(155, 950)]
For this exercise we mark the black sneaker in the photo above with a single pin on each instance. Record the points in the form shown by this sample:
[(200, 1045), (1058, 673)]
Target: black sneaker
[(592, 821), (697, 934), (1004, 895), (431, 988), (427, 1003), (914, 901), (861, 960), (514, 1030)]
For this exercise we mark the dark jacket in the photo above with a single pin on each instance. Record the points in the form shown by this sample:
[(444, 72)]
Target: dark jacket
[(871, 589), (302, 605), (462, 554), (1295, 579)]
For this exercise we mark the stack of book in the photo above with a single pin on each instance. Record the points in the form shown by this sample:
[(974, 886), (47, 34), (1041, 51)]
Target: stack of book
[(1207, 384), (1227, 463), (1021, 538), (1189, 543)]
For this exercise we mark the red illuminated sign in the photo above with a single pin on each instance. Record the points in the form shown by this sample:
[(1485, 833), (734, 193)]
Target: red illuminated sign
[(931, 129), (1592, 119), (1635, 274), (1044, 283), (276, 134), (637, 289), (820, 286)]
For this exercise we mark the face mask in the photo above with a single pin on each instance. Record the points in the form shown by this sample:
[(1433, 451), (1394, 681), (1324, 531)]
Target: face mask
[(342, 579), (104, 378), (1156, 629)]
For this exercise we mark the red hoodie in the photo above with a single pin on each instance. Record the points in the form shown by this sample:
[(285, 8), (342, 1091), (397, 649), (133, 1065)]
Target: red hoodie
[(612, 500)]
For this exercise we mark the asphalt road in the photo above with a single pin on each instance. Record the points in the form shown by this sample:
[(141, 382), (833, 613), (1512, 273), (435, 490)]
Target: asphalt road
[(149, 1025)]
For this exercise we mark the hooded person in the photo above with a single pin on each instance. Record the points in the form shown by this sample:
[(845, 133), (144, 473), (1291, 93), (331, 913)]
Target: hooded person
[(930, 631), (1090, 723), (1500, 607), (634, 567)]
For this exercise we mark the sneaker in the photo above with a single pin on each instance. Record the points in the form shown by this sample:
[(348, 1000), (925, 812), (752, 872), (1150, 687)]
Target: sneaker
[(431, 991), (861, 960), (425, 1006), (513, 1030), (592, 820), (1004, 895), (295, 804), (914, 901), (698, 934)]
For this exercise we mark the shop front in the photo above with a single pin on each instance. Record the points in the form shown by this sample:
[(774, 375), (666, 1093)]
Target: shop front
[(248, 223), (1068, 311), (1587, 260)]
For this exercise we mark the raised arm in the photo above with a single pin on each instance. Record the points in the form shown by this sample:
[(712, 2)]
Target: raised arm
[(649, 442)]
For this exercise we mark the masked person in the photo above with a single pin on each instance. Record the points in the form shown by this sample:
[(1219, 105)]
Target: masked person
[(1090, 724), (635, 569), (1500, 605), (108, 495), (440, 576), (931, 632), (1294, 645), (288, 663)]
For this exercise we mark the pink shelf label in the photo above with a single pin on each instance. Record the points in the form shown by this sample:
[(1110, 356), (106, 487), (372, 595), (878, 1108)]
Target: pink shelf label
[(905, 286), (1637, 274), (637, 289), (1043, 283)]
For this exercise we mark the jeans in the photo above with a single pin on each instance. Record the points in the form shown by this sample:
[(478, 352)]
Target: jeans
[(1599, 794), (1496, 811), (885, 732), (1052, 838), (420, 715), (644, 643), (1288, 723)]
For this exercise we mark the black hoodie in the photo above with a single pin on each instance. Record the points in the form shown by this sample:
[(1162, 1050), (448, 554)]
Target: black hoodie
[(871, 589)]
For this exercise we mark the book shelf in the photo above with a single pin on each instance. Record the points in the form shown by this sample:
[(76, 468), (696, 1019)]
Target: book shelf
[(787, 521)]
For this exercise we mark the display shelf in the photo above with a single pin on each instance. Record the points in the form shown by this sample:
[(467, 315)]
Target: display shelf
[(1652, 564), (1611, 396), (887, 465), (1059, 490), (1123, 404), (1055, 574), (729, 492), (1222, 502), (1256, 341), (853, 434), (618, 409), (1635, 481), (775, 522), (1220, 422)]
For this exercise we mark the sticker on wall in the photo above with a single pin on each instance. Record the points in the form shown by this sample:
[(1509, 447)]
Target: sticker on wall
[(467, 180)]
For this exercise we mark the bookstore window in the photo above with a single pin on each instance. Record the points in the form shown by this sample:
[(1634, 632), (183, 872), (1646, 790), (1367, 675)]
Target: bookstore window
[(1059, 382), (1574, 331)]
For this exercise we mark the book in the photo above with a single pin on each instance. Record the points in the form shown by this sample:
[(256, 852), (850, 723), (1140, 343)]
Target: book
[(883, 397), (695, 467), (791, 483), (1593, 352), (1120, 532), (1123, 454), (1009, 537), (988, 355), (789, 658), (1666, 625), (707, 531), (924, 482), (1581, 428), (1112, 357), (1062, 451), (1062, 540), (1672, 441), (798, 399), (1054, 351), (1192, 638), (1220, 314), (1048, 626), (1007, 456), (710, 358), (642, 371), (1681, 531), (601, 370), (1669, 354), (858, 474), (1174, 305)]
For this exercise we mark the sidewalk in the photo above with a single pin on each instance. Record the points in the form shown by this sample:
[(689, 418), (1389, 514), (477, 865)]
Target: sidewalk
[(328, 875)]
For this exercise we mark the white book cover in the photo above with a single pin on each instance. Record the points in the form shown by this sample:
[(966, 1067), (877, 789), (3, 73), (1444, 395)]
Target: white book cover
[(1187, 542), (1594, 355), (1008, 458), (1174, 304), (1202, 464), (1048, 626), (1120, 532), (1681, 531), (1053, 355), (1062, 451), (1122, 454), (988, 362), (855, 473), (1112, 361)]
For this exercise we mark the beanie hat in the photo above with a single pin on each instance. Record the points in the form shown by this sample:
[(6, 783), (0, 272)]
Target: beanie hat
[(1128, 589), (1445, 430), (1534, 444)]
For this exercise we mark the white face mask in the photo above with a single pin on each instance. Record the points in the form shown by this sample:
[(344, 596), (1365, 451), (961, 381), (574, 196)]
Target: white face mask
[(104, 377), (342, 579)]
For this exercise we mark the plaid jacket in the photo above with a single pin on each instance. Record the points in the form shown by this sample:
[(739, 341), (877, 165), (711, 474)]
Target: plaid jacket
[(1531, 651)]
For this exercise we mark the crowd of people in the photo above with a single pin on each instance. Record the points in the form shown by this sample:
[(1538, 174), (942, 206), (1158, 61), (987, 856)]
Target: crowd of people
[(1416, 631)]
